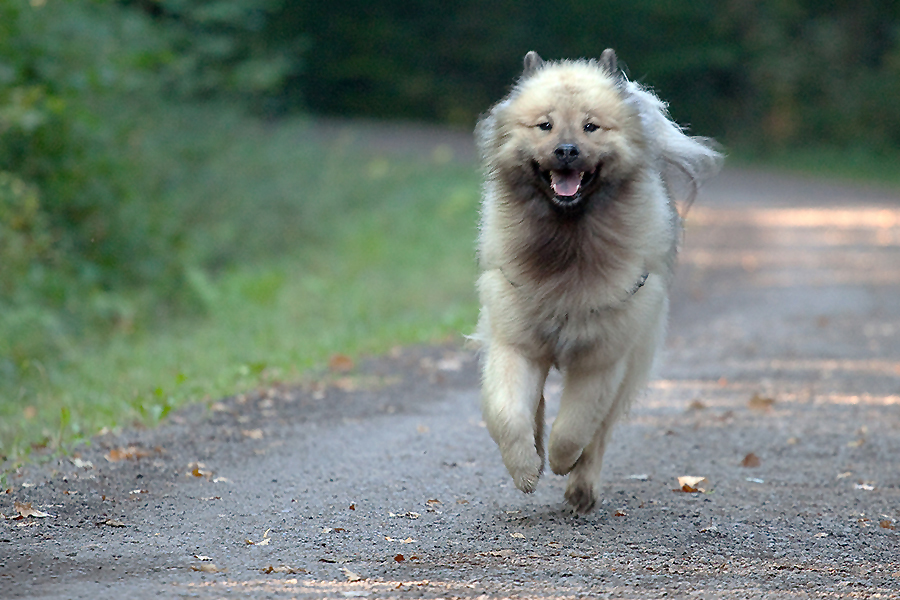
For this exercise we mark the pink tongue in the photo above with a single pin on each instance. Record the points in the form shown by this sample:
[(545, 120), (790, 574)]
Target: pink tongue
[(565, 183)]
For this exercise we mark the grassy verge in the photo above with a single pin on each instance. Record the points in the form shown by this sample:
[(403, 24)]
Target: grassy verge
[(331, 250)]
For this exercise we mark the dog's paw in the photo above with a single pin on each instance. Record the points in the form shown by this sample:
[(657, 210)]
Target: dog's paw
[(526, 471), (563, 455), (580, 496)]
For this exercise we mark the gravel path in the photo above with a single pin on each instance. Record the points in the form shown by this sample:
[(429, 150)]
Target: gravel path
[(780, 385)]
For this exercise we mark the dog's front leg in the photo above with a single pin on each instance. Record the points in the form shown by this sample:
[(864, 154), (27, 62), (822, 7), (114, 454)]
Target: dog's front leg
[(588, 396), (513, 409)]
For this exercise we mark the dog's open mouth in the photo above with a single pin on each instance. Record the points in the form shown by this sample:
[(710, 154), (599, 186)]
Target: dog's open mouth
[(567, 185)]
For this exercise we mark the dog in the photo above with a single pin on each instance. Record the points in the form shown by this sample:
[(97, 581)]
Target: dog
[(578, 238)]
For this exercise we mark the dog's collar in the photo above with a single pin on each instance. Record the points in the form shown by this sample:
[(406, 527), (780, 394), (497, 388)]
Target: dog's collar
[(637, 285)]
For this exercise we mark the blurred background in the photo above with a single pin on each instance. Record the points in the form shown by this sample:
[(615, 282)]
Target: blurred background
[(194, 199)]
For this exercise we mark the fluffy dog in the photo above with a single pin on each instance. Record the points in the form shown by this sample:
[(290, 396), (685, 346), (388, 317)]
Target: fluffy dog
[(578, 238)]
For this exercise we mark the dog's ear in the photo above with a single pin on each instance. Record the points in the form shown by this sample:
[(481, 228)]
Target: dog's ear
[(609, 63), (533, 62)]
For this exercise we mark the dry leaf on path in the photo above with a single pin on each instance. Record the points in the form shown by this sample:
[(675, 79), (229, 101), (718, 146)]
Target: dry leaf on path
[(758, 402), (350, 575), (253, 434), (516, 534), (887, 524), (198, 469), (751, 461), (340, 363), (399, 558), (262, 542), (112, 523), (129, 453), (696, 405), (25, 510), (691, 484), (268, 570), (207, 568), (408, 515), (620, 513)]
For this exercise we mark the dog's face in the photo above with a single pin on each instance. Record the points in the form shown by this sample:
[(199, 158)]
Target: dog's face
[(566, 130)]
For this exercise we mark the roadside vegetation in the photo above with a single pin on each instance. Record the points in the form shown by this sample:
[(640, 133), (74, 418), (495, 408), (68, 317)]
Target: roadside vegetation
[(173, 228)]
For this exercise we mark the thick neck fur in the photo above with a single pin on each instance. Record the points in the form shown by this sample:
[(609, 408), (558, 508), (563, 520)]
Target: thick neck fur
[(540, 245)]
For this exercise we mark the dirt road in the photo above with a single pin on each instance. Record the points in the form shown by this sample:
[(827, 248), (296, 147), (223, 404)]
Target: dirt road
[(780, 385)]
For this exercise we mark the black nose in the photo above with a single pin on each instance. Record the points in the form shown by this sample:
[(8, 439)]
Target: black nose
[(566, 153)]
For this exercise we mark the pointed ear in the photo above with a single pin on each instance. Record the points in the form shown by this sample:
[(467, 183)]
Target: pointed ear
[(533, 62), (609, 63)]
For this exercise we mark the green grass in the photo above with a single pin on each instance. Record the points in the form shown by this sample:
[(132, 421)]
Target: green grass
[(331, 250)]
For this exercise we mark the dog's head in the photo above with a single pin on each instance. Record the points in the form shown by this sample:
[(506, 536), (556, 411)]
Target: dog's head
[(566, 130)]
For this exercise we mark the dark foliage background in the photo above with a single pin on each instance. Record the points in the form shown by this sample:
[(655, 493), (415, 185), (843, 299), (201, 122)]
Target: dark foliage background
[(754, 72)]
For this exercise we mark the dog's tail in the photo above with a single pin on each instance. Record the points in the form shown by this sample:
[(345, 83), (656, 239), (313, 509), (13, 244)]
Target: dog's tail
[(685, 161)]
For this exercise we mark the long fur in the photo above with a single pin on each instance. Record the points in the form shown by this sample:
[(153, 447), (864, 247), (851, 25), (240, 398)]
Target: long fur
[(576, 280)]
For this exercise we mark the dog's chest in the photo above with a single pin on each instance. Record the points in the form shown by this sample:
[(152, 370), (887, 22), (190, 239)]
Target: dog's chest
[(567, 331)]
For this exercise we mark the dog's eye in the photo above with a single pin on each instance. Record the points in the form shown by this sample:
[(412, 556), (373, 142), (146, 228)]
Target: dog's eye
[(590, 128), (545, 126)]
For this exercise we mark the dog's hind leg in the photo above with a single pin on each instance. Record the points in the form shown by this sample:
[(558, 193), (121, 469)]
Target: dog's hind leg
[(513, 409), (581, 489)]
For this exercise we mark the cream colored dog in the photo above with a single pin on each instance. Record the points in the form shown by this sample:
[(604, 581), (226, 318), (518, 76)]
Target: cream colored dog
[(578, 238)]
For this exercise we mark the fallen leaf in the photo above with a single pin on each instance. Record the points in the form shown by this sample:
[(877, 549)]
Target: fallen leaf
[(112, 523), (408, 515), (433, 502), (692, 484), (792, 441), (198, 469), (461, 501), (25, 510), (399, 558), (268, 570), (620, 513), (696, 405), (350, 575), (352, 507), (554, 544), (207, 568), (751, 461), (856, 443), (758, 402), (262, 542), (126, 453), (253, 434), (887, 524), (518, 535), (340, 363)]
